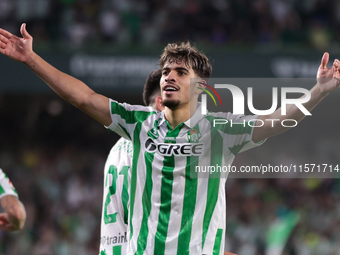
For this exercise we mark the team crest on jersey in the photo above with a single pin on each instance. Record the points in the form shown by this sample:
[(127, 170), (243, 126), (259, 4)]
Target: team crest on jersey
[(194, 136), (153, 132)]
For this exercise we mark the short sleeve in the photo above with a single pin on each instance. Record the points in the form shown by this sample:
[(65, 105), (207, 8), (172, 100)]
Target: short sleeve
[(236, 130), (6, 187), (125, 117)]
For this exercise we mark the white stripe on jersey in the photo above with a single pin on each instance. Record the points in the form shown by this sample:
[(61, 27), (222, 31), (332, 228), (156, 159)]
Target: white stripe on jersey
[(176, 209)]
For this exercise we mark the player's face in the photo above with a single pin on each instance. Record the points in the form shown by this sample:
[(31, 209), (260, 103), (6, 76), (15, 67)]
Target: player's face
[(175, 84)]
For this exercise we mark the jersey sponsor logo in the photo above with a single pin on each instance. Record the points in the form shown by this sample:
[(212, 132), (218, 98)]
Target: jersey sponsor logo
[(166, 149), (113, 240)]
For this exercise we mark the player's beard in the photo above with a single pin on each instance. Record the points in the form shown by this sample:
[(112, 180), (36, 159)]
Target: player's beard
[(171, 104)]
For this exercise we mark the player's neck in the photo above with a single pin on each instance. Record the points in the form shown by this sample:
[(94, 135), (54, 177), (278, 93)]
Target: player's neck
[(179, 115)]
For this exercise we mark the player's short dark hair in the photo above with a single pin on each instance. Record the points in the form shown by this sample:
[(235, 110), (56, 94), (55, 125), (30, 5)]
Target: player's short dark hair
[(152, 86), (191, 56)]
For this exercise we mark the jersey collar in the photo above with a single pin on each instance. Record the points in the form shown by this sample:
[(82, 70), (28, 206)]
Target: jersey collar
[(190, 123)]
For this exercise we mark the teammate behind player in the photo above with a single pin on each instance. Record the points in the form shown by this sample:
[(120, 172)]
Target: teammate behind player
[(14, 216), (170, 212), (117, 178)]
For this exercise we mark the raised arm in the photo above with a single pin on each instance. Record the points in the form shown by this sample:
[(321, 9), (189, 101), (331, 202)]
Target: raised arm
[(327, 81), (66, 86), (15, 214)]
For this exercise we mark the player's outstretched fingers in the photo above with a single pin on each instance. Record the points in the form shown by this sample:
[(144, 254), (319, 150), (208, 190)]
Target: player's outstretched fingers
[(3, 39), (5, 33), (336, 63), (324, 60), (336, 75), (2, 48)]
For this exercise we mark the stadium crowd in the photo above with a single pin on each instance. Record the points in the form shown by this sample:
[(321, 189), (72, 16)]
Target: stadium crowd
[(251, 22)]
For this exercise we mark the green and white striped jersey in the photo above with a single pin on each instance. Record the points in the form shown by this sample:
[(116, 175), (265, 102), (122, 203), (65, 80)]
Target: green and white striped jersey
[(6, 187), (114, 222), (170, 212)]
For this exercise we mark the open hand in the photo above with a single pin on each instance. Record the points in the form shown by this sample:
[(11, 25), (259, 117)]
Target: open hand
[(14, 47), (328, 78)]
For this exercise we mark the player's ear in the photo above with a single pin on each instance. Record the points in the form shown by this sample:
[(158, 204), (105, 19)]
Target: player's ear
[(159, 105)]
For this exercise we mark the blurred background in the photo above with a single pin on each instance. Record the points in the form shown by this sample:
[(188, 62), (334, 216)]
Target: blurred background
[(54, 154)]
